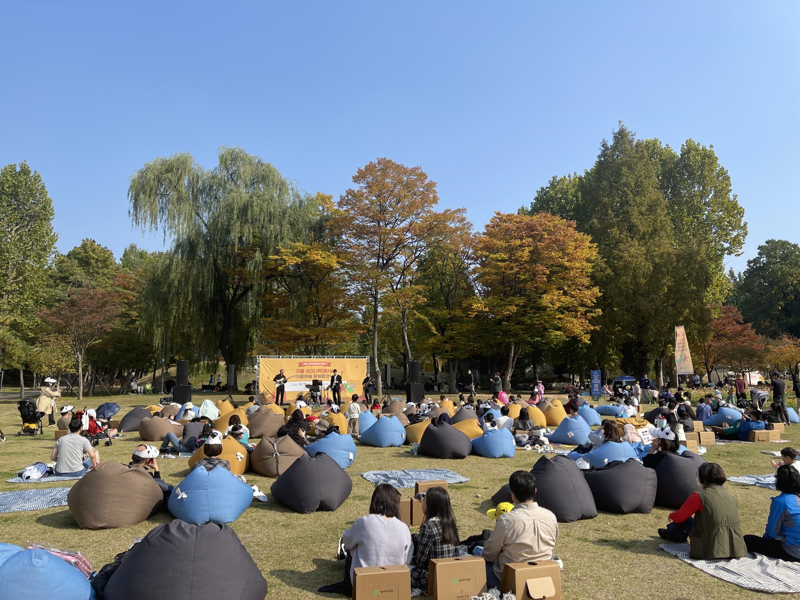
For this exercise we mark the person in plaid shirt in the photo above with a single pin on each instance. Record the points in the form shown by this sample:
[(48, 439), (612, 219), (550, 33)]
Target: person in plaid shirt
[(438, 537)]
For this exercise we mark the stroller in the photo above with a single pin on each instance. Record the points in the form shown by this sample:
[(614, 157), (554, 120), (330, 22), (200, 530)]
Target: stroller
[(92, 430), (31, 418)]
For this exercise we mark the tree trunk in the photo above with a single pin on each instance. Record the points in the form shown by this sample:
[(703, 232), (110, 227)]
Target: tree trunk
[(126, 382), (511, 363), (80, 378), (21, 384), (436, 373), (452, 385), (404, 326), (376, 367)]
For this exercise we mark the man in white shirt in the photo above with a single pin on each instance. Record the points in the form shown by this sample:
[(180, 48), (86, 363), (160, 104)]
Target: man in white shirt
[(504, 421)]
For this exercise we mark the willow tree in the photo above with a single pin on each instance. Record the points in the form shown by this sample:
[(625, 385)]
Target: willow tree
[(207, 285)]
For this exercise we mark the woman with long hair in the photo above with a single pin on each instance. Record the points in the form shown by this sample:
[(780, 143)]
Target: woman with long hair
[(438, 537)]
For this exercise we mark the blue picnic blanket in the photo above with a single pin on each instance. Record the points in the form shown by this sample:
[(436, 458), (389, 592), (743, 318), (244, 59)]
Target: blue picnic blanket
[(764, 481), (407, 478), (38, 499), (47, 479)]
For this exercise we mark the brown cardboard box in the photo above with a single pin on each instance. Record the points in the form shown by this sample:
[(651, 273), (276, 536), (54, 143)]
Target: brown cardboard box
[(456, 578), (774, 435), (690, 445), (387, 583), (694, 436), (61, 433), (778, 427), (417, 516), (698, 426), (114, 424), (533, 580), (426, 485), (707, 438), (405, 511), (759, 435)]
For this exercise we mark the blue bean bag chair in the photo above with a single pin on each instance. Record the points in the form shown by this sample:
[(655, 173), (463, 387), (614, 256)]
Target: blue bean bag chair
[(387, 431), (340, 447), (496, 443), (571, 431), (107, 410), (215, 496), (496, 412), (607, 453), (607, 410), (182, 410), (365, 421), (8, 550), (793, 416), (725, 414), (590, 415), (39, 574)]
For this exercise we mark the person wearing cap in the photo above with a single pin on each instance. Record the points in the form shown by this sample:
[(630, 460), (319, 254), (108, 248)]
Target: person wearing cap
[(528, 532), (709, 519), (212, 448), (779, 395), (237, 432), (664, 442), (145, 455), (46, 403), (70, 450), (66, 417), (188, 412)]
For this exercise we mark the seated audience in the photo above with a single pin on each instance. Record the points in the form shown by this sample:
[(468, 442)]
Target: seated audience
[(70, 450), (664, 442), (704, 408), (212, 447), (782, 536), (438, 537), (741, 429), (504, 421), (489, 422), (524, 422), (189, 441)]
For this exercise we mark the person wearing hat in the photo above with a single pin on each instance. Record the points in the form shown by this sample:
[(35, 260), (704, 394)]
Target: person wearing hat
[(46, 403), (144, 457), (188, 411), (66, 417), (664, 442)]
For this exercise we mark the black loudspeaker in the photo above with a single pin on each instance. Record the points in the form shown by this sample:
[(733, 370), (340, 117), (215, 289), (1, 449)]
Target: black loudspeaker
[(181, 394), (183, 372), (415, 392), (231, 376), (413, 372)]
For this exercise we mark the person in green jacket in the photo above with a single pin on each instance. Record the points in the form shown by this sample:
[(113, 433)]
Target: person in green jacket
[(710, 519)]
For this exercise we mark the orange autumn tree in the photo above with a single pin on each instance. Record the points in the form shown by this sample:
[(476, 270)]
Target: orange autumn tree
[(535, 285), (734, 342)]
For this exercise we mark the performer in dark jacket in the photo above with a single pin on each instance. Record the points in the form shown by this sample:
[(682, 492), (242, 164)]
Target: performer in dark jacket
[(336, 386)]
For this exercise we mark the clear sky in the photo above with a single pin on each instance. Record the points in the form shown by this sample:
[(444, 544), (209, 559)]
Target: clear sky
[(491, 99)]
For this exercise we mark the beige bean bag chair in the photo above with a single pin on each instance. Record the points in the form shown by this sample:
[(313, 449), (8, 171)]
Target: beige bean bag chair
[(402, 418), (415, 432), (224, 406), (265, 423), (154, 429), (554, 413), (394, 407), (274, 408), (170, 411), (339, 420), (114, 495), (221, 424), (232, 451), (273, 456), (470, 427), (266, 398), (513, 411)]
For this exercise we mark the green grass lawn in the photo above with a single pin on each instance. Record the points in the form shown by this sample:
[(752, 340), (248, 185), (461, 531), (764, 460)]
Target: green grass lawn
[(611, 556)]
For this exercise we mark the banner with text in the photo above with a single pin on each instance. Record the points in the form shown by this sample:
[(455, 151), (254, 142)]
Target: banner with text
[(596, 384), (683, 358), (301, 371)]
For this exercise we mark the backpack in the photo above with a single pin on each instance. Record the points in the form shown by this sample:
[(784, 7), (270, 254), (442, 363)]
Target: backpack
[(35, 471)]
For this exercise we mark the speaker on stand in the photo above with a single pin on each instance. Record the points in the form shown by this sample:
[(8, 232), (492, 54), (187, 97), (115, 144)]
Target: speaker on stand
[(415, 392), (413, 372), (183, 372)]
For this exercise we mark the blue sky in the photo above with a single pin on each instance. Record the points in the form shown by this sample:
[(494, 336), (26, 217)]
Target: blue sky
[(491, 99)]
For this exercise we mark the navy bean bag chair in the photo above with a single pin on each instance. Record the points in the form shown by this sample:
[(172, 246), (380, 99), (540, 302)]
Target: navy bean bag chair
[(623, 487), (445, 441), (573, 431), (793, 416), (312, 484), (365, 421), (387, 431), (724, 415), (463, 414), (181, 561), (107, 410), (215, 496), (340, 447), (131, 421), (677, 479), (495, 411), (607, 453), (35, 574), (607, 410), (590, 415), (496, 443)]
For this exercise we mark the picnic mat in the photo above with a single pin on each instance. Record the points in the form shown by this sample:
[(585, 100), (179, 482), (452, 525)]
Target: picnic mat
[(25, 500), (407, 478), (47, 479), (753, 572), (764, 481)]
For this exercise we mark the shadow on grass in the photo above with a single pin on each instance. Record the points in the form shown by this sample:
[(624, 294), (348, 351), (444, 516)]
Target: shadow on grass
[(325, 572), (59, 520), (639, 546)]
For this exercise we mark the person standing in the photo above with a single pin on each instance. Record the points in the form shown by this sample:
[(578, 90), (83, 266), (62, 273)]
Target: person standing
[(779, 396), (353, 415), (367, 386), (497, 386), (280, 387), (471, 382), (796, 381), (741, 387), (47, 399), (645, 384), (336, 387)]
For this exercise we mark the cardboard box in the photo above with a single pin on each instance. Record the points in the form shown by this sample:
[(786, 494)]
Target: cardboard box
[(386, 583), (778, 427), (61, 433), (533, 580), (456, 578), (759, 435), (698, 426), (707, 438), (114, 423), (774, 436), (426, 485), (690, 445), (417, 515), (694, 436), (405, 511)]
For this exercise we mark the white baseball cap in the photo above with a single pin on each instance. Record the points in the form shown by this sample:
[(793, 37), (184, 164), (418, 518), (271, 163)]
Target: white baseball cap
[(146, 452)]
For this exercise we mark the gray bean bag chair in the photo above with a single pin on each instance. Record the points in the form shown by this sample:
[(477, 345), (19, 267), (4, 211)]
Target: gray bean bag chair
[(623, 487), (171, 411), (677, 479), (463, 414), (181, 561), (273, 456), (312, 484), (131, 421), (155, 429), (445, 441), (265, 423), (394, 407)]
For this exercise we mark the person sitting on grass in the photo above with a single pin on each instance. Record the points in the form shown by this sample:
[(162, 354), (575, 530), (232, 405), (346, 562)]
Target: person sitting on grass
[(528, 532), (741, 429), (664, 442), (438, 537), (70, 450), (144, 456), (189, 441), (212, 448), (709, 518), (782, 536), (704, 408)]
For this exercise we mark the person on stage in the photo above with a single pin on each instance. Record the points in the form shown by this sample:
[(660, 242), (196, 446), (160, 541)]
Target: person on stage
[(336, 386), (280, 389), (368, 384)]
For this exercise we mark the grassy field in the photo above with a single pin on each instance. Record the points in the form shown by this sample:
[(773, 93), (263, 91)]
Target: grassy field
[(611, 556)]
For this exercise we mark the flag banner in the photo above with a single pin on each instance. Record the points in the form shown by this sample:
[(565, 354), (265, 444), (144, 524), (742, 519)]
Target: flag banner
[(683, 358), (596, 384)]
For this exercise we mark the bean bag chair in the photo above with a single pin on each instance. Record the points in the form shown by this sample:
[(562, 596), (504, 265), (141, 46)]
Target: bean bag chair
[(448, 406), (496, 443), (7, 551), (445, 441), (410, 410), (677, 480), (387, 431), (494, 411), (365, 421), (470, 427), (590, 415), (291, 408), (415, 432), (513, 410), (555, 413), (339, 420), (537, 416), (623, 487), (463, 414), (650, 415), (232, 451), (107, 410), (154, 429), (724, 415), (402, 418), (275, 408), (221, 424), (154, 408), (637, 422), (341, 448), (130, 422), (394, 407), (29, 574), (182, 561), (312, 484), (606, 410), (187, 412), (215, 496), (170, 411), (209, 410), (793, 416), (265, 423), (607, 453), (272, 456), (114, 495), (571, 431), (224, 406)]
